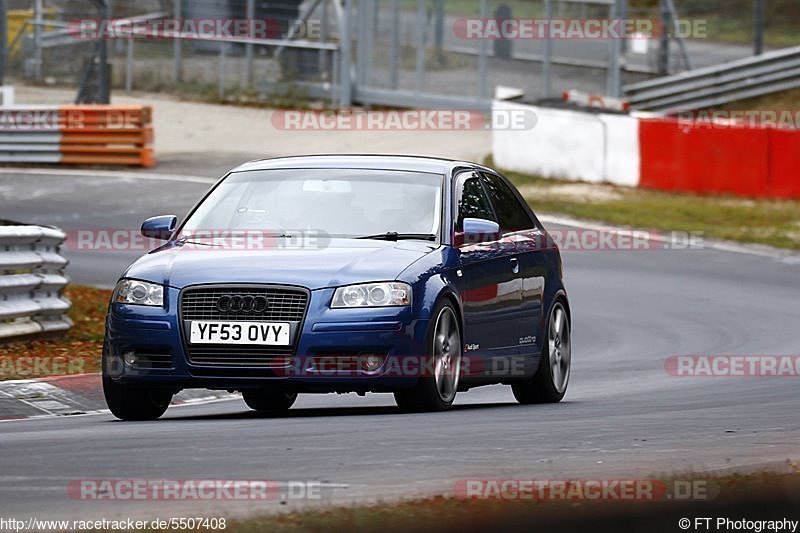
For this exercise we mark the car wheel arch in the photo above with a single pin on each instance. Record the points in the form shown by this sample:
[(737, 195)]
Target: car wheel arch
[(451, 297), (561, 296)]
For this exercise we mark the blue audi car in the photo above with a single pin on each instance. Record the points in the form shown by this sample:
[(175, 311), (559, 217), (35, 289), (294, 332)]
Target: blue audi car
[(415, 276)]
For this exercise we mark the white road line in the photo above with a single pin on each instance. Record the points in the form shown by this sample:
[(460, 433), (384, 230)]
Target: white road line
[(114, 174), (786, 256), (35, 394), (50, 416)]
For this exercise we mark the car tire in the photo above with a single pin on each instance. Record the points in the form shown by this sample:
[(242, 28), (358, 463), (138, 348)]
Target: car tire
[(129, 402), (269, 401), (436, 392), (549, 383)]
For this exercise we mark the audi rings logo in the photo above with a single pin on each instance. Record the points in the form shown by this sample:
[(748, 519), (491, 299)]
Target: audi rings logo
[(242, 304)]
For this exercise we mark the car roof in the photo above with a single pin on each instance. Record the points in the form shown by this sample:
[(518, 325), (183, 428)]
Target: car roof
[(428, 164)]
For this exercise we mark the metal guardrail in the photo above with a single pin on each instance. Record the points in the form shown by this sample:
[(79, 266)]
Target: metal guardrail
[(31, 280), (719, 84)]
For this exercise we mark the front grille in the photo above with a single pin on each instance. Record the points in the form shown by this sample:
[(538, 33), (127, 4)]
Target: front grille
[(241, 355), (284, 305)]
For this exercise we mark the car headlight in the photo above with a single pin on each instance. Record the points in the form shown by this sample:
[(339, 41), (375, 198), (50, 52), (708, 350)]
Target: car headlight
[(386, 294), (132, 291)]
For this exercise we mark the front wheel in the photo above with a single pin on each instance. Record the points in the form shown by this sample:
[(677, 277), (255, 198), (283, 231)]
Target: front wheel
[(436, 392), (267, 401), (129, 402), (549, 384)]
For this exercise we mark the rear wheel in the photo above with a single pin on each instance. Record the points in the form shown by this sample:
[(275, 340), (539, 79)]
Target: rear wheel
[(436, 392), (269, 401), (128, 402), (549, 384)]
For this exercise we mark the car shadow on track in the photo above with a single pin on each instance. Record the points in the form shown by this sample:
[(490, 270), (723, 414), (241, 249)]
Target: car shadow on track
[(325, 412)]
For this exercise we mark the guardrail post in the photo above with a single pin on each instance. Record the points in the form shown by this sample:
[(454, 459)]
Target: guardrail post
[(247, 79), (758, 45), (394, 52), (547, 78), (438, 34), (419, 84), (37, 40), (322, 57), (345, 58), (3, 39), (362, 54), (177, 51), (129, 66), (615, 45), (483, 52), (666, 27), (221, 80)]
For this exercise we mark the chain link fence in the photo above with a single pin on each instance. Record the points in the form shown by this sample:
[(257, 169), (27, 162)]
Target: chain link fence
[(401, 52)]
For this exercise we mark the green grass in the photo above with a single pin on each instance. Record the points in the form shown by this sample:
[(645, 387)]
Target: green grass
[(744, 494), (737, 31), (788, 100), (771, 222)]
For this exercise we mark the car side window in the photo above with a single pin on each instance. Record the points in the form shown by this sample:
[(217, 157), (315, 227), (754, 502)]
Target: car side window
[(473, 202), (510, 212)]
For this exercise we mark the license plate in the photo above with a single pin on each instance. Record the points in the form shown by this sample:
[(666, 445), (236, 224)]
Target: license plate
[(215, 332)]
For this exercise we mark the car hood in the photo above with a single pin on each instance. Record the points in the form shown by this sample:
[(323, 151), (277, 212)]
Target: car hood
[(338, 262)]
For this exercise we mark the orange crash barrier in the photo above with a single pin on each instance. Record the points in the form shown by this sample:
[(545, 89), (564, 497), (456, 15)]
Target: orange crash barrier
[(77, 134)]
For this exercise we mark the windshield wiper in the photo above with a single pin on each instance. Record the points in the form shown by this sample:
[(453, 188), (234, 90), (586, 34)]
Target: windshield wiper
[(394, 236), (214, 239)]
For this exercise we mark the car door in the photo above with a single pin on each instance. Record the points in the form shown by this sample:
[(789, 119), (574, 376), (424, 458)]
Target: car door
[(492, 288), (517, 226)]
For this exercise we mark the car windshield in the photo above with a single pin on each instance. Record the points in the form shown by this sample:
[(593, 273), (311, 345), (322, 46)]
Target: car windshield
[(338, 202)]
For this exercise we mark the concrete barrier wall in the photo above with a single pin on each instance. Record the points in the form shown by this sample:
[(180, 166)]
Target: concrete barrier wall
[(679, 157), (784, 162), (570, 145), (653, 152)]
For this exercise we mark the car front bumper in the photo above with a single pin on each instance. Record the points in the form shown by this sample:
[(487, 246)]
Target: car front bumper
[(331, 352)]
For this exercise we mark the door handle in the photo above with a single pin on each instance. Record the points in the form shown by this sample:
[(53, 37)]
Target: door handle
[(515, 265)]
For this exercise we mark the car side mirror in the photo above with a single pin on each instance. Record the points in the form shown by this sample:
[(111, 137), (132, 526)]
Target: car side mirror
[(478, 230), (160, 227)]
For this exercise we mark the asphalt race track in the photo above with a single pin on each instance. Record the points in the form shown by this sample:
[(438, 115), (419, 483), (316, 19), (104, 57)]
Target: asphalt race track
[(624, 415)]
